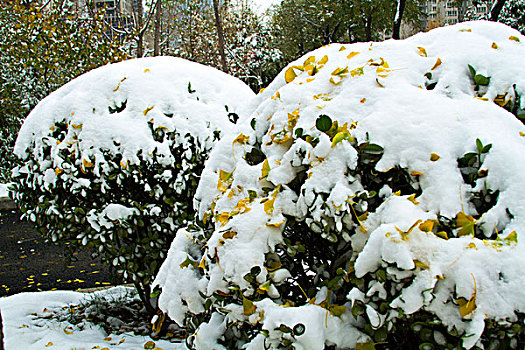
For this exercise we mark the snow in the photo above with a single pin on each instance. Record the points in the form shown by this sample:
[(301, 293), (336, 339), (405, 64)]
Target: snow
[(378, 91), (169, 92), (4, 192), (24, 331)]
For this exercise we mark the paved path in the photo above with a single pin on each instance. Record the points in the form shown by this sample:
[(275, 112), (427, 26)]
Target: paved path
[(27, 264)]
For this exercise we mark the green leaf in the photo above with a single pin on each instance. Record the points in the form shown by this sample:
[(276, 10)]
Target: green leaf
[(366, 346), (479, 145), (486, 148), (428, 75), (472, 71), (323, 123), (299, 329), (252, 123), (481, 79)]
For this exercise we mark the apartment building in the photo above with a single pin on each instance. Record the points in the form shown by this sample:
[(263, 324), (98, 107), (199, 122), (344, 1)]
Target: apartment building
[(443, 12)]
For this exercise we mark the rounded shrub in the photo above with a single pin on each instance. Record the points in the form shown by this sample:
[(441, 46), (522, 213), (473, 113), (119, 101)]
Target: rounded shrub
[(372, 200), (111, 160)]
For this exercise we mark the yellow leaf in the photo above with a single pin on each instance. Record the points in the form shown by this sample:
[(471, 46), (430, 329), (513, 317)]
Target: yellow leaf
[(52, 128), (501, 100), (122, 340), (342, 48), (262, 90), (108, 339), (149, 345), (512, 238), (427, 226), (248, 307), (466, 224), (472, 245), (416, 173), (68, 332), (87, 163), (223, 218), (146, 70), (58, 171), (422, 52), (357, 71), (514, 38), (442, 234), (77, 126), (225, 180), (434, 157), (494, 46), (334, 82), (421, 264), (352, 54), (146, 111), (309, 80), (412, 198), (323, 60), (397, 193), (310, 60), (379, 84), (49, 344), (340, 71), (241, 139), (290, 74), (157, 325), (522, 134), (363, 100), (265, 169), (466, 307), (264, 287), (404, 234), (229, 234), (339, 137), (292, 119), (437, 64), (465, 30)]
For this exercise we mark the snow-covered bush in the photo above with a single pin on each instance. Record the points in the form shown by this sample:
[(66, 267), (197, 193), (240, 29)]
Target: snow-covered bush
[(375, 195), (112, 159)]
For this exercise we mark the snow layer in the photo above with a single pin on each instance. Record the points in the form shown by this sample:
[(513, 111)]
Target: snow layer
[(109, 108), (424, 122), (24, 331)]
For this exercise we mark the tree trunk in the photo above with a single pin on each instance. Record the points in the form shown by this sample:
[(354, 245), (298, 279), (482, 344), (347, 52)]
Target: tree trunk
[(144, 293), (368, 27), (220, 34), (496, 9), (398, 18), (158, 18), (140, 32)]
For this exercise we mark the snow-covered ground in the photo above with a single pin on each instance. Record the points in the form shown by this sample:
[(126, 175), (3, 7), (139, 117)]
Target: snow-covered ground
[(25, 329), (3, 190)]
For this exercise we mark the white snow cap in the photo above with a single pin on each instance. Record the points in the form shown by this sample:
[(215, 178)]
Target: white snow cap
[(114, 103), (418, 100)]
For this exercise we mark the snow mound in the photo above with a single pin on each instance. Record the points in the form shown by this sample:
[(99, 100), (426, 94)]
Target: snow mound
[(114, 103), (385, 175)]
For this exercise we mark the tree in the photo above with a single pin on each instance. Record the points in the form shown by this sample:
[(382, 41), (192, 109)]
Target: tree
[(513, 14), (220, 34), (301, 26), (398, 18), (40, 50), (497, 6)]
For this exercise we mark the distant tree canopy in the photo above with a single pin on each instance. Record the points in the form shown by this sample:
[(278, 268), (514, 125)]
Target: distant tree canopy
[(40, 50), (303, 25)]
